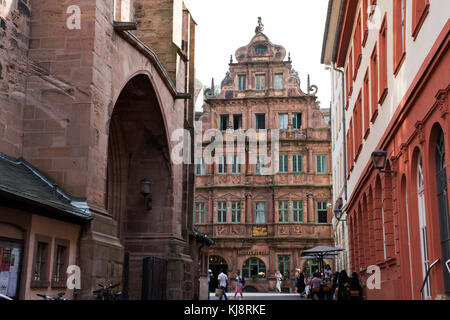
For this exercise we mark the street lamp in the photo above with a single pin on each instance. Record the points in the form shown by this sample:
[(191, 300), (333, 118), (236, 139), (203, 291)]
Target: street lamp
[(146, 189), (338, 209), (338, 214), (379, 160)]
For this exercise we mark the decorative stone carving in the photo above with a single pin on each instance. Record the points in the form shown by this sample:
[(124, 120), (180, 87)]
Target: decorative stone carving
[(221, 230), (419, 132), (236, 230), (297, 230), (442, 100), (284, 230)]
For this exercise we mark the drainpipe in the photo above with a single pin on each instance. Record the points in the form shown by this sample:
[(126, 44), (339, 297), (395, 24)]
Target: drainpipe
[(344, 142)]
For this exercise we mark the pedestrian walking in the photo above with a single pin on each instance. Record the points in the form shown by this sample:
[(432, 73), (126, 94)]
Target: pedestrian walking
[(300, 282), (209, 281), (240, 282), (223, 284), (342, 285), (334, 282), (355, 287), (327, 273), (279, 278)]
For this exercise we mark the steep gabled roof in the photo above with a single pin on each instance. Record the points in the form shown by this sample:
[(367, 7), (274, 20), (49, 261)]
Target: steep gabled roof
[(22, 182)]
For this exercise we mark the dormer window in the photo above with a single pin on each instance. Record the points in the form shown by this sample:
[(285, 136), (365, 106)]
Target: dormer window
[(260, 50)]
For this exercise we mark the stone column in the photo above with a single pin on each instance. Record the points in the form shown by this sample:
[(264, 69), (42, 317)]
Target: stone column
[(310, 160), (248, 210), (210, 208), (310, 212), (101, 253)]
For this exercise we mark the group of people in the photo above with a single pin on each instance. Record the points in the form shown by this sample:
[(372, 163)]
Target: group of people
[(338, 285), (223, 280)]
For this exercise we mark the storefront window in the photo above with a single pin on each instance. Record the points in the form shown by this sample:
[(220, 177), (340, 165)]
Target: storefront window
[(284, 265), (254, 269), (310, 266), (10, 260)]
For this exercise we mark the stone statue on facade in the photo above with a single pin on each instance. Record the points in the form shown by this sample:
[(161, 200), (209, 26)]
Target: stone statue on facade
[(260, 27)]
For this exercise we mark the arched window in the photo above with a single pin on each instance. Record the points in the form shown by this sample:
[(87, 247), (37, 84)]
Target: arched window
[(442, 197), (310, 266), (422, 222), (254, 269)]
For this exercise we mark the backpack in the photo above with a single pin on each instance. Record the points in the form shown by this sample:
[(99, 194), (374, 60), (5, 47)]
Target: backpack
[(243, 281)]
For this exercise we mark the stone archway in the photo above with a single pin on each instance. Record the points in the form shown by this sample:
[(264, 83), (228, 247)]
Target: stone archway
[(216, 263), (137, 149)]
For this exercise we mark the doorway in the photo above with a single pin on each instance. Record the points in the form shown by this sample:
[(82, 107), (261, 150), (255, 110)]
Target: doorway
[(216, 263)]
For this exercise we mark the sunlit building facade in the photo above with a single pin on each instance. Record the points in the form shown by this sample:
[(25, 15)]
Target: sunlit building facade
[(262, 221)]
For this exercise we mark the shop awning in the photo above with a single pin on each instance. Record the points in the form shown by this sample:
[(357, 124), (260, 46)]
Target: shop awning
[(321, 252)]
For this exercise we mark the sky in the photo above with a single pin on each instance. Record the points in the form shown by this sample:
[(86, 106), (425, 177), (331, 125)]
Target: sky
[(225, 25)]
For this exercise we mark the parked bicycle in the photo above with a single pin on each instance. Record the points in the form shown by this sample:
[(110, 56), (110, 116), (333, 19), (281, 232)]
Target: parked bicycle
[(58, 296), (106, 292)]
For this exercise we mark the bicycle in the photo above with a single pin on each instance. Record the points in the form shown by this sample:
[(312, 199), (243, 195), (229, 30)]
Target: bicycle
[(59, 296), (106, 293)]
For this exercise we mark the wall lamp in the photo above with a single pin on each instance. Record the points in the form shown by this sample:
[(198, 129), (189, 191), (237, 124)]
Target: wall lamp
[(379, 160), (338, 214), (146, 189), (338, 210)]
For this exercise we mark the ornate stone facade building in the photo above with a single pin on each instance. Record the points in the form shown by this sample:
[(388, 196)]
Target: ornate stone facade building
[(90, 92), (261, 222)]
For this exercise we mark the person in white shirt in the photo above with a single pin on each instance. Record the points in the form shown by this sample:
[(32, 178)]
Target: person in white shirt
[(279, 277), (223, 284)]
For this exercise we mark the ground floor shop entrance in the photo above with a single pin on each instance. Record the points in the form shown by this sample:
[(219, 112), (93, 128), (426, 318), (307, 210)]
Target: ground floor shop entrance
[(10, 263), (216, 264)]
